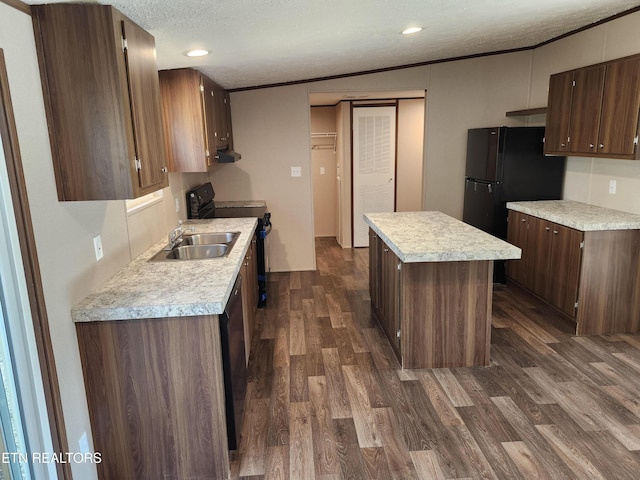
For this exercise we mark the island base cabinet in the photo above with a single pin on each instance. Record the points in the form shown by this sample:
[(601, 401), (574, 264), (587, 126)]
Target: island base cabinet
[(155, 392), (446, 314)]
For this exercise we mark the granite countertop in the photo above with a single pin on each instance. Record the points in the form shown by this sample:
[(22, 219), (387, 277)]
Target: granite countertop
[(436, 237), (581, 216), (184, 288)]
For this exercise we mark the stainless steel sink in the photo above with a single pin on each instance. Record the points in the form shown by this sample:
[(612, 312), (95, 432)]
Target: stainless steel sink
[(209, 238), (198, 246), (196, 252)]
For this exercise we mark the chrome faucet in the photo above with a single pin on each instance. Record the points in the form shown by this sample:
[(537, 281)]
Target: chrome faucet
[(175, 235)]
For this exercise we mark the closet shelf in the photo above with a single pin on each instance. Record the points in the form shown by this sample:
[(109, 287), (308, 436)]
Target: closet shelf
[(324, 146)]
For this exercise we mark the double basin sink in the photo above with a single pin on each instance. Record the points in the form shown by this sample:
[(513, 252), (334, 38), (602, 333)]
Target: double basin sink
[(198, 246)]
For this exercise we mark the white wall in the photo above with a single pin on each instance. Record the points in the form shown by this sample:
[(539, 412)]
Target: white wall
[(410, 155), (271, 131), (462, 95)]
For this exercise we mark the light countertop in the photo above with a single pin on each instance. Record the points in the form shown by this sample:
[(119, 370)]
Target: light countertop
[(184, 288), (436, 237), (581, 216)]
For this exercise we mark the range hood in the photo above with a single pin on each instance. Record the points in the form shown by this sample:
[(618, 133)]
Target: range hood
[(227, 156)]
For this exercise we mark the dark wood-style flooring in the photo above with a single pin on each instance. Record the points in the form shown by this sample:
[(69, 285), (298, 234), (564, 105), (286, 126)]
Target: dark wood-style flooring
[(327, 399)]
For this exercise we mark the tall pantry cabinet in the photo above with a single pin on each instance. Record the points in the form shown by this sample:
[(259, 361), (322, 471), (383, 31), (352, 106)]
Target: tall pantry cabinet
[(102, 99)]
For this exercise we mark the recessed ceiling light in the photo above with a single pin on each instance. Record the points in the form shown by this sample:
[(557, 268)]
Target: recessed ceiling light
[(196, 53), (411, 30)]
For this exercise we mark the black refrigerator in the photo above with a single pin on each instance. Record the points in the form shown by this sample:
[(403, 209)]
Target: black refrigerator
[(507, 164)]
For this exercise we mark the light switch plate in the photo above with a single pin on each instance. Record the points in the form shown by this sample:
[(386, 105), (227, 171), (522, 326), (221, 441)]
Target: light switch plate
[(612, 187), (296, 171), (97, 245), (321, 170)]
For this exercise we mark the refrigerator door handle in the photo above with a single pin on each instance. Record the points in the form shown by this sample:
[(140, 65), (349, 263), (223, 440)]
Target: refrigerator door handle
[(489, 187)]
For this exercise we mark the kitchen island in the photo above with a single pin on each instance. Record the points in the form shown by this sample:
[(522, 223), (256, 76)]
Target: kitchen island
[(431, 286), (150, 348)]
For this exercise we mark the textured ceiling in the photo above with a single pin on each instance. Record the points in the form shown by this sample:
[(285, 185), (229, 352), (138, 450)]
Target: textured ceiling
[(261, 42)]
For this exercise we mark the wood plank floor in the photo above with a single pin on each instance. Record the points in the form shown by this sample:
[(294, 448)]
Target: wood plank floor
[(328, 401)]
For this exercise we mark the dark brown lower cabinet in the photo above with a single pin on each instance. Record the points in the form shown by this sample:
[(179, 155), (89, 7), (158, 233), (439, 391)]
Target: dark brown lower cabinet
[(592, 277), (435, 314), (249, 294), (155, 391), (384, 285), (564, 268), (517, 234)]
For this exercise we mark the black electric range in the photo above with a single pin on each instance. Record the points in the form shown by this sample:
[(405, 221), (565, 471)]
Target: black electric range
[(200, 205)]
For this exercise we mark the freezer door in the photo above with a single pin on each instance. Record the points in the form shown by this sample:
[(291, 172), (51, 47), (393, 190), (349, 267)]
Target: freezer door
[(480, 205), (483, 148), (527, 173)]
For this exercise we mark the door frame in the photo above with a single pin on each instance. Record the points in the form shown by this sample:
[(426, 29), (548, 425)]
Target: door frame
[(18, 187)]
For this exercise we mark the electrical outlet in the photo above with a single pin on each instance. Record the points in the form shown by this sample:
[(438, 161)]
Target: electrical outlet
[(612, 187), (296, 171), (321, 170), (177, 205), (97, 245)]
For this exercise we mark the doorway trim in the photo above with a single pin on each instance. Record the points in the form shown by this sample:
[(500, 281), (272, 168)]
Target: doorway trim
[(33, 278)]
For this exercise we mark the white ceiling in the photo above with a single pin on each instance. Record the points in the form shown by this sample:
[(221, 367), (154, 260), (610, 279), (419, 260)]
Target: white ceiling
[(262, 42)]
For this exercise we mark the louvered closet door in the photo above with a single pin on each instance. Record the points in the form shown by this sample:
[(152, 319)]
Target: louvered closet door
[(374, 160)]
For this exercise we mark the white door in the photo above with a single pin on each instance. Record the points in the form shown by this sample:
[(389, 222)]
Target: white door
[(374, 160)]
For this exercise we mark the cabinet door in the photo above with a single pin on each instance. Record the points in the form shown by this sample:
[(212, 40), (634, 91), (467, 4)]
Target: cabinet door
[(144, 92), (620, 107), (517, 235), (222, 141), (183, 118), (390, 296), (227, 110), (249, 296), (564, 268), (539, 244), (586, 107), (558, 113), (375, 269), (209, 109)]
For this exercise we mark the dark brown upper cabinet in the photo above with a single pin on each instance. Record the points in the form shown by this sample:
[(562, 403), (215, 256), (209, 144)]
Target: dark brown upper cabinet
[(102, 100), (224, 138), (189, 115), (594, 111), (197, 119)]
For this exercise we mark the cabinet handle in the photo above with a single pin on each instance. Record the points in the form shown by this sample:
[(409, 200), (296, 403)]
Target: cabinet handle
[(563, 145), (164, 170), (547, 229), (523, 220), (386, 250), (555, 232), (591, 145), (601, 146)]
